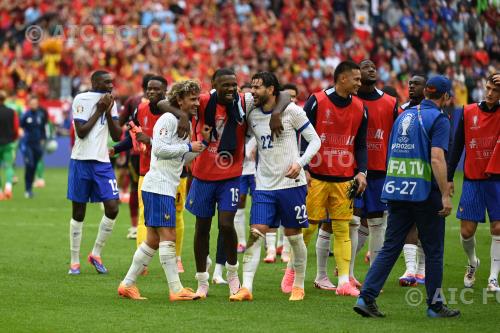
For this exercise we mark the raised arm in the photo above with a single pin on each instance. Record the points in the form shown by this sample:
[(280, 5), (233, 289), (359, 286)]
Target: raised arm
[(275, 121), (310, 108), (114, 127), (183, 128), (84, 126), (310, 135)]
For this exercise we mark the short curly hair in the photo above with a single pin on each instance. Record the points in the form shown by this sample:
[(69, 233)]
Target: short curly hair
[(181, 89)]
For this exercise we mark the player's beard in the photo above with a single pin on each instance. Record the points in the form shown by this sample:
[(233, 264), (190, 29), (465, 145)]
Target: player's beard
[(261, 101), (368, 82)]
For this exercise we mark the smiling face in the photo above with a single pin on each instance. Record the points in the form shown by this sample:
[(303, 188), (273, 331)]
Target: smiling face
[(260, 92), (368, 72), (189, 103), (155, 91), (226, 87), (350, 81)]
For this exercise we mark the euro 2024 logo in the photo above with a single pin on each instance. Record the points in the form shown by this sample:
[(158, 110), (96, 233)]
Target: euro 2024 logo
[(404, 126)]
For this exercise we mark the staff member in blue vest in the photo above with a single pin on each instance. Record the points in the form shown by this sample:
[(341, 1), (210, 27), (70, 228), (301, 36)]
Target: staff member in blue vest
[(33, 122), (417, 192)]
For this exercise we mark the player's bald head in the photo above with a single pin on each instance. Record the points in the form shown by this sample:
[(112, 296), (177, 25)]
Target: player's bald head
[(366, 62)]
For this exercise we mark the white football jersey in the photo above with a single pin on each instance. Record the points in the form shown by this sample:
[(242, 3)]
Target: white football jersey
[(275, 156), (94, 146), (168, 155), (248, 162)]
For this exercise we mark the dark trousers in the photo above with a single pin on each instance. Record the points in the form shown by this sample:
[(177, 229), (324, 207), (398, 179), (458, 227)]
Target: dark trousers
[(32, 153), (431, 227)]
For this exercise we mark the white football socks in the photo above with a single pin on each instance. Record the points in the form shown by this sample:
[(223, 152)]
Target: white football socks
[(376, 227), (218, 270), (410, 253), (271, 242), (240, 226), (209, 263), (142, 258), (286, 246), (280, 235), (75, 240), (169, 263), (495, 257), (353, 234), (105, 229), (362, 236), (420, 260), (322, 253), (202, 279), (251, 258), (469, 246), (299, 259)]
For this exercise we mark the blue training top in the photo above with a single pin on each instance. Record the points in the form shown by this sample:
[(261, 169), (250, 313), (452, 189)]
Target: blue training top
[(33, 123), (415, 132)]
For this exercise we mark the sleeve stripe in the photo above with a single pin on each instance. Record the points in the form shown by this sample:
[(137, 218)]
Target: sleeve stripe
[(83, 121), (303, 126)]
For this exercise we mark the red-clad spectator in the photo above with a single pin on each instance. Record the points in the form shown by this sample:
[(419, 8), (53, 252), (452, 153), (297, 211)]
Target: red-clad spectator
[(302, 41)]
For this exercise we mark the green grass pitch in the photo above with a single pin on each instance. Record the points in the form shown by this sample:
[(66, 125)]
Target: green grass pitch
[(37, 295)]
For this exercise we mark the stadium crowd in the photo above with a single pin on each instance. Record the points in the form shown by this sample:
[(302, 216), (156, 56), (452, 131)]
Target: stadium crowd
[(301, 41)]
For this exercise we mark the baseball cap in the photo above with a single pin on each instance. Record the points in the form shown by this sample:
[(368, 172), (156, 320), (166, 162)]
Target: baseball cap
[(439, 84)]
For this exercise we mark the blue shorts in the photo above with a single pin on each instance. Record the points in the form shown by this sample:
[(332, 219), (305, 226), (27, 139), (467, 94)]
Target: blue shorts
[(203, 196), (159, 210), (91, 181), (370, 201), (479, 196), (247, 184), (287, 206)]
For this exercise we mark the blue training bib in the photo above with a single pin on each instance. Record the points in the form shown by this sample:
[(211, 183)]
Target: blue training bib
[(409, 172)]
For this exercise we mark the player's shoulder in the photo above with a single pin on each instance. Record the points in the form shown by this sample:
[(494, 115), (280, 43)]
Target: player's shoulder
[(87, 97), (204, 97), (405, 106), (78, 98), (294, 109), (143, 104), (168, 118)]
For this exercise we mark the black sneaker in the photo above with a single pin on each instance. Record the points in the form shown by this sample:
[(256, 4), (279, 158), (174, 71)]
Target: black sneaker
[(444, 312), (367, 309)]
